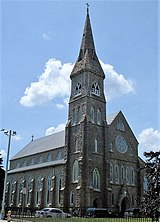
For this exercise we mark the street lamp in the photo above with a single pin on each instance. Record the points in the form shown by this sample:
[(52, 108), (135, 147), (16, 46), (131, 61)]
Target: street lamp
[(8, 133)]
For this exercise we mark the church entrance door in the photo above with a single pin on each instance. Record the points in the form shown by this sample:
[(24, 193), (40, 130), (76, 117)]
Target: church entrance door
[(96, 203), (124, 205)]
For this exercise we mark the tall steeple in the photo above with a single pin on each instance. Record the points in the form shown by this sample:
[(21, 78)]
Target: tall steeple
[(87, 58)]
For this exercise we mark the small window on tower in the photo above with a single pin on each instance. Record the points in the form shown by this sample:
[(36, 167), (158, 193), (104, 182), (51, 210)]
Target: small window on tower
[(79, 114), (95, 145), (74, 117), (92, 114), (99, 117), (78, 88), (95, 89)]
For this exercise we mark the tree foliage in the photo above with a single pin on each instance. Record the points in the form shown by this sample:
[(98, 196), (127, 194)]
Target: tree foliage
[(150, 202), (1, 160)]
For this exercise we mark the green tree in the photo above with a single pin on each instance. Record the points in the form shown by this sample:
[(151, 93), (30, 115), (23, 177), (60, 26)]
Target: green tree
[(2, 174), (150, 202), (1, 159)]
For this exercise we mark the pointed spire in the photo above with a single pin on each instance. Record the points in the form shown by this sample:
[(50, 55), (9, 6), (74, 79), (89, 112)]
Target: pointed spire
[(87, 40), (87, 58)]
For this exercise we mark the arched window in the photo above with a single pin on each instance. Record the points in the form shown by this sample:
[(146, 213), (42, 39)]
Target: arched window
[(71, 198), (131, 151), (111, 147), (20, 187), (59, 155), (12, 192), (75, 171), (111, 172), (78, 88), (112, 198), (117, 174), (145, 184), (132, 176), (99, 117), (32, 161), (96, 179), (79, 114), (49, 157), (38, 193), (29, 189), (96, 145), (122, 174), (18, 165), (95, 89), (40, 159), (74, 116), (92, 114), (59, 188), (120, 125), (127, 175), (25, 163), (49, 185)]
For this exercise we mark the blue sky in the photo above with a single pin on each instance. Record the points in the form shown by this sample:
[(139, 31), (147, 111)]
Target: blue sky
[(40, 42)]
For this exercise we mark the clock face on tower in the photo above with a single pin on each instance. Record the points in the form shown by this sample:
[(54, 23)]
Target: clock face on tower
[(121, 144)]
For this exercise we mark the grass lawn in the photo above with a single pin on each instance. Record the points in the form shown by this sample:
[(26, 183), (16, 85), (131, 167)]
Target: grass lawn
[(84, 220)]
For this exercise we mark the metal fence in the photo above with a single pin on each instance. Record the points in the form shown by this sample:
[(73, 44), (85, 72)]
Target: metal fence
[(19, 212)]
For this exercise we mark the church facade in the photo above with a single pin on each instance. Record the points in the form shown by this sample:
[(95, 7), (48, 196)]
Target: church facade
[(92, 163)]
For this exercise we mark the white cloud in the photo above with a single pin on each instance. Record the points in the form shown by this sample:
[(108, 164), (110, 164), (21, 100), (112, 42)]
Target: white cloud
[(46, 36), (116, 84), (53, 129), (60, 106), (54, 83), (149, 140), (17, 137)]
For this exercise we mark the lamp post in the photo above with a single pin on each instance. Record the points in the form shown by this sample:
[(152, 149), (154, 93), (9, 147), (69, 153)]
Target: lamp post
[(9, 133)]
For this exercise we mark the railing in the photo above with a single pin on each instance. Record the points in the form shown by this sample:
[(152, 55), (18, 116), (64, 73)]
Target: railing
[(80, 213)]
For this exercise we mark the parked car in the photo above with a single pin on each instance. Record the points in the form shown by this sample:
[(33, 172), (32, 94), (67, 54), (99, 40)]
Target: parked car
[(99, 212), (132, 212), (43, 212), (52, 212)]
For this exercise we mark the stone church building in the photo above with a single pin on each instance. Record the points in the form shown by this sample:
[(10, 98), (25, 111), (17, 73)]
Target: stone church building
[(92, 163)]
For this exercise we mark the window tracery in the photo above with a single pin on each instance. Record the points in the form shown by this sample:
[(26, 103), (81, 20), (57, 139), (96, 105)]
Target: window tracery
[(75, 171), (99, 117), (96, 179), (92, 114), (95, 89), (78, 88)]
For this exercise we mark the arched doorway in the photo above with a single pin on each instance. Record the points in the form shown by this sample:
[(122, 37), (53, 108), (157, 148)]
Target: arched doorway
[(96, 203), (124, 205)]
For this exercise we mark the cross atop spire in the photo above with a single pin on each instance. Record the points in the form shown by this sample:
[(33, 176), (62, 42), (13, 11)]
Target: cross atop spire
[(87, 4)]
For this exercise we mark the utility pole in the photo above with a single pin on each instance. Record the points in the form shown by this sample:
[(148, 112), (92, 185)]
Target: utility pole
[(9, 133)]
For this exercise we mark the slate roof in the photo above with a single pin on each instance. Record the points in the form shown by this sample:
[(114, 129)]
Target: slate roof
[(37, 166), (42, 144), (111, 117)]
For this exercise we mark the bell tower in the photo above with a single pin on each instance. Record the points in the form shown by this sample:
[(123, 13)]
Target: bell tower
[(87, 77), (86, 128)]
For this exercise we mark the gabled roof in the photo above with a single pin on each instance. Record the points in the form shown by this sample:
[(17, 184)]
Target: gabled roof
[(42, 144), (111, 117)]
